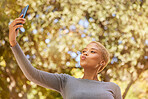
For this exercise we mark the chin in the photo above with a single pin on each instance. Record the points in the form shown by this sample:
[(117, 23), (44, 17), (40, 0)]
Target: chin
[(84, 65), (84, 62)]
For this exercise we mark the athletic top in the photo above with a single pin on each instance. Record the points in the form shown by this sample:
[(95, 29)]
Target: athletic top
[(68, 86)]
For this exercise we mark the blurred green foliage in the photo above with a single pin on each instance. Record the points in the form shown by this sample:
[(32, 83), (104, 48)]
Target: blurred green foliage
[(55, 33)]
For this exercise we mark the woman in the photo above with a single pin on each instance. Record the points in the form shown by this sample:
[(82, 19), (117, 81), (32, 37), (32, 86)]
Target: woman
[(94, 59)]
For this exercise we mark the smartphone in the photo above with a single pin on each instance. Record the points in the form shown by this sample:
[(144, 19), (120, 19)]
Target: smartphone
[(24, 11)]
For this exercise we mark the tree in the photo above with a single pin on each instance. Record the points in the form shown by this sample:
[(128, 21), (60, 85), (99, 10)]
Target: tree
[(54, 31)]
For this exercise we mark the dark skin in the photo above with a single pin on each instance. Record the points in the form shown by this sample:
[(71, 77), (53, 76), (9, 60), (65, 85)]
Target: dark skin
[(12, 30), (93, 63)]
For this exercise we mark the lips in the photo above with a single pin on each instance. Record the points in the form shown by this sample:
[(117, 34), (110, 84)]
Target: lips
[(83, 57)]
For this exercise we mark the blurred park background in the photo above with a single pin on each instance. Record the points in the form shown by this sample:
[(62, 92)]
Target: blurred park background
[(55, 33)]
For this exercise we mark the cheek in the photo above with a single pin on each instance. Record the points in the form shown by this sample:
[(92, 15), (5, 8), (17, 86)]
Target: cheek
[(94, 59)]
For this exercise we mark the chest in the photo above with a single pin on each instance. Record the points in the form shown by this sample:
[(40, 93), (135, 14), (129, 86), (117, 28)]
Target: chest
[(87, 90)]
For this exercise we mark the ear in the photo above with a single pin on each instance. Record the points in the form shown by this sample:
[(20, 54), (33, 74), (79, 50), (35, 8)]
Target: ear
[(100, 69), (102, 66), (102, 63)]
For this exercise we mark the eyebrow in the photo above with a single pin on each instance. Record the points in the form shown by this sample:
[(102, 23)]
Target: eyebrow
[(92, 48)]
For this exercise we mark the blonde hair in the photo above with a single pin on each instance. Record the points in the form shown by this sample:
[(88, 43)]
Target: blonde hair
[(105, 53)]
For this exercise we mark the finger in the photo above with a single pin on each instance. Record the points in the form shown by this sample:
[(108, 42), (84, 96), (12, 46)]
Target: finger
[(19, 19), (17, 32), (17, 26), (18, 22), (21, 15)]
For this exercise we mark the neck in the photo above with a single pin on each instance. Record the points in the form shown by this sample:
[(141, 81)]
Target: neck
[(90, 74)]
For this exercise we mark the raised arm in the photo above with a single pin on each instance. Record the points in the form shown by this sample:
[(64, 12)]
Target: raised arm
[(48, 80)]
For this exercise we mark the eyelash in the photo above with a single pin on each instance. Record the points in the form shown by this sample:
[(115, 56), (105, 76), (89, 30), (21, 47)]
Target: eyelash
[(91, 51)]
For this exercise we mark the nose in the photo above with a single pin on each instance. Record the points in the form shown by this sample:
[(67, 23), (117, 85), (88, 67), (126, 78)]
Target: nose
[(85, 54)]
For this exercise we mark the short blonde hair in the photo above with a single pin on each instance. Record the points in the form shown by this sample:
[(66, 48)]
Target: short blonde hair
[(105, 53)]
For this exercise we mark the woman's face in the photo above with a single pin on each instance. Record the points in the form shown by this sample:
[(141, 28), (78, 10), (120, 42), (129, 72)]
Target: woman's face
[(91, 56)]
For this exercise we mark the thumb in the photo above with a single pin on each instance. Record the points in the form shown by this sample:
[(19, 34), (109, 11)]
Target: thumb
[(21, 16), (17, 32)]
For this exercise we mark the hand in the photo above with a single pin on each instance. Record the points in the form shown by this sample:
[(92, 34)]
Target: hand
[(12, 29)]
